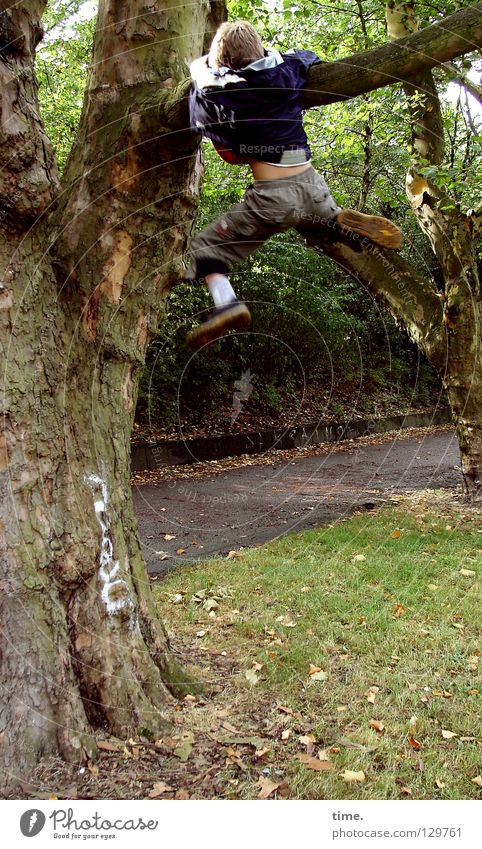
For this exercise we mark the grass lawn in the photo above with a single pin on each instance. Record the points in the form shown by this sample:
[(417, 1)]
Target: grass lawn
[(338, 663)]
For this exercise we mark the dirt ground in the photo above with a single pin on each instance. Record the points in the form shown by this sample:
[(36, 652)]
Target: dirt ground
[(190, 513)]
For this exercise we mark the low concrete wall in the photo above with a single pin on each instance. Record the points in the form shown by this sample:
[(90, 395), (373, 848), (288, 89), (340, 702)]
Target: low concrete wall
[(175, 452)]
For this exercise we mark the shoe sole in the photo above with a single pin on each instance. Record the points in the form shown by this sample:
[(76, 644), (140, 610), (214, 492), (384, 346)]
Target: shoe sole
[(237, 318), (373, 227)]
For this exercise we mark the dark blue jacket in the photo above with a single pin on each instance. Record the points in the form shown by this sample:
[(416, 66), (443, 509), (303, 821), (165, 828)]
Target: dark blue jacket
[(254, 112)]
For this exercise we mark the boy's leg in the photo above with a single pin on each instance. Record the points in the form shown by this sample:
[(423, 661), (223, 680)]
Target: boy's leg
[(379, 230), (226, 242), (319, 209)]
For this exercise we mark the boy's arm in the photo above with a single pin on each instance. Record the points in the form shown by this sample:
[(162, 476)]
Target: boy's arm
[(201, 73), (203, 77), (306, 57)]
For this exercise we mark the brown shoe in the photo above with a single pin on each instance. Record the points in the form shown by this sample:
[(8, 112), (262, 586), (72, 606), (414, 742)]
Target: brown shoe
[(379, 230), (233, 316)]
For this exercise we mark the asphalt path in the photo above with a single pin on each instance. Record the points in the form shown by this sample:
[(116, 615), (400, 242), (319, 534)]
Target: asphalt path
[(241, 507)]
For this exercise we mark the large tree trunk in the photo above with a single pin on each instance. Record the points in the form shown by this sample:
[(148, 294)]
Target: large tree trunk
[(84, 274), (453, 237), (85, 269)]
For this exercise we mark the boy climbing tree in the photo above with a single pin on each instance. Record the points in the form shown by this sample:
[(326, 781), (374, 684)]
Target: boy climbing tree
[(247, 100)]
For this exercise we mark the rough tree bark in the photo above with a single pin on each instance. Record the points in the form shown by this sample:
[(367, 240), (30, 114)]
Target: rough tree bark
[(85, 267), (454, 241)]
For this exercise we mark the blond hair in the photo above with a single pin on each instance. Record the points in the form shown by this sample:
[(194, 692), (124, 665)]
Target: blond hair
[(235, 45)]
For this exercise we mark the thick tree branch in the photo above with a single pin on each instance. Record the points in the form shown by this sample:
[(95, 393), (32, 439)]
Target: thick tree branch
[(386, 65), (411, 298), (396, 62), (28, 173), (129, 188)]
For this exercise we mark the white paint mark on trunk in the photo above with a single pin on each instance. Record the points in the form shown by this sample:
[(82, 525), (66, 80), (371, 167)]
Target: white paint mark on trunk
[(115, 591)]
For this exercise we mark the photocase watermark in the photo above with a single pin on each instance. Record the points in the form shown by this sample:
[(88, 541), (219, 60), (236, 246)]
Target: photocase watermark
[(243, 388), (32, 822), (65, 825)]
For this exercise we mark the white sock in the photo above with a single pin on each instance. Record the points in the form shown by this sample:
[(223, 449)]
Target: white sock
[(220, 289)]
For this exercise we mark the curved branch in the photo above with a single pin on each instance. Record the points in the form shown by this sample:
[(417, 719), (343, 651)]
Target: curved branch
[(411, 299), (396, 62)]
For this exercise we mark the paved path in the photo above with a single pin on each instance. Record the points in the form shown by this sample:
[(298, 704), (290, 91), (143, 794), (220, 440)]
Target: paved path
[(248, 506)]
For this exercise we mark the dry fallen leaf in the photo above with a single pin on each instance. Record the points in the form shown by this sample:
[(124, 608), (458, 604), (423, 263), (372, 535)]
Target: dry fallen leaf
[(398, 610), (315, 763), (285, 735), (180, 550), (184, 747), (268, 787), (350, 744), (169, 536), (439, 784), (251, 676), (261, 753), (107, 747), (307, 739), (415, 744), (233, 757), (405, 790), (182, 794), (370, 694), (159, 788), (377, 725), (477, 780), (177, 598), (358, 558), (447, 735), (318, 676), (396, 534), (351, 777), (314, 669)]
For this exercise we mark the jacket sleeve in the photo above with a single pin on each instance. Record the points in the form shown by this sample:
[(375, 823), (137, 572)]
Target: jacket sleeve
[(306, 57), (201, 73)]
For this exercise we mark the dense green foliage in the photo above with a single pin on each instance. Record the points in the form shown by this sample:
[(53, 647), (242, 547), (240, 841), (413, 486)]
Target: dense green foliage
[(62, 64), (315, 332)]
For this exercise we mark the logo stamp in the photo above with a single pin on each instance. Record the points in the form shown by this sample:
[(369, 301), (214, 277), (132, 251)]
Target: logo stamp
[(32, 822)]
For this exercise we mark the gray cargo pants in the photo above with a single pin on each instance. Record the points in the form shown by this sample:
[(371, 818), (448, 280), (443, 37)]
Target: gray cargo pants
[(302, 202)]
